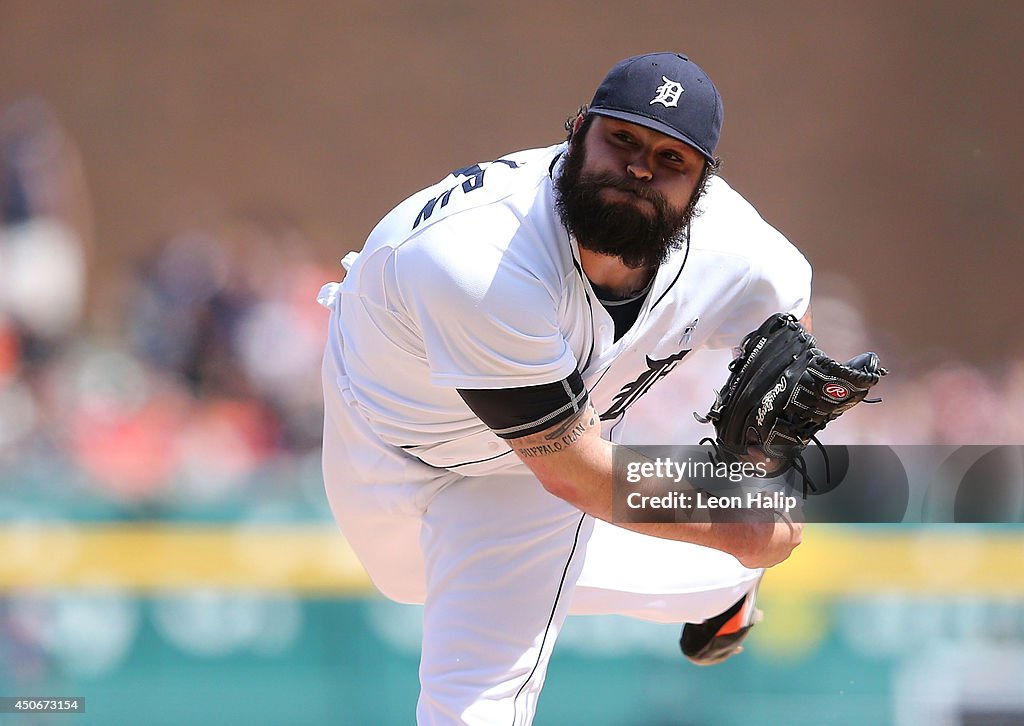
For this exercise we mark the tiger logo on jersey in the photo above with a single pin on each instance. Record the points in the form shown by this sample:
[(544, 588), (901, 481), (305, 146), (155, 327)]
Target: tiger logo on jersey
[(631, 392)]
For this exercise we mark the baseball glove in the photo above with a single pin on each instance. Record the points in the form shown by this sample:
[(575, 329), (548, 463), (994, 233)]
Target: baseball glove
[(781, 391)]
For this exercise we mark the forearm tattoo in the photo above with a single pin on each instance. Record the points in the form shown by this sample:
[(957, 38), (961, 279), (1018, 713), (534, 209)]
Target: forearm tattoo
[(559, 438)]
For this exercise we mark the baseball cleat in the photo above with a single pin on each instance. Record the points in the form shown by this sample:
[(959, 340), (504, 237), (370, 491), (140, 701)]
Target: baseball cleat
[(718, 638)]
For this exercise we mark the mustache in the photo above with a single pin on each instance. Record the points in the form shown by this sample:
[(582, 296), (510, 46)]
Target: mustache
[(606, 180)]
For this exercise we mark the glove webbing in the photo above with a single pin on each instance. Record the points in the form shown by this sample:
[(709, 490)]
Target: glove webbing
[(798, 463)]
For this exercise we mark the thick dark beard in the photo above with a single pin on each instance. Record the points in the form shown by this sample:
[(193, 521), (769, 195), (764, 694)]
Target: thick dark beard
[(618, 229)]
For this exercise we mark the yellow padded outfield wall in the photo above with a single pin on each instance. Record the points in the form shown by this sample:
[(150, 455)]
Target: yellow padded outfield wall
[(315, 560)]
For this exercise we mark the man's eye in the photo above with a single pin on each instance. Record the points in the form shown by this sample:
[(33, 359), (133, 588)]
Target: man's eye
[(624, 138)]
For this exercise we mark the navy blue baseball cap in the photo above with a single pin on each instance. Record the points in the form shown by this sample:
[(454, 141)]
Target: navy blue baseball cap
[(666, 92)]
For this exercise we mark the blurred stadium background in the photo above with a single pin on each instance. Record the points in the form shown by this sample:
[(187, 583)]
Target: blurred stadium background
[(178, 178)]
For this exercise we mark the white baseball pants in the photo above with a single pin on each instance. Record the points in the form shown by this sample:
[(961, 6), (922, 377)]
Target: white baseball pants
[(498, 563)]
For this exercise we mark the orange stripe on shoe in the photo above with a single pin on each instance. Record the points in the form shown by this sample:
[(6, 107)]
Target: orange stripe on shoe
[(733, 624)]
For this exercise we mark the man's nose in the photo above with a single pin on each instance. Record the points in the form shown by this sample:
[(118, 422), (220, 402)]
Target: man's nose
[(640, 168)]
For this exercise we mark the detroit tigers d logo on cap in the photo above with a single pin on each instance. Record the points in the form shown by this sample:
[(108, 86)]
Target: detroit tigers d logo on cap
[(668, 93)]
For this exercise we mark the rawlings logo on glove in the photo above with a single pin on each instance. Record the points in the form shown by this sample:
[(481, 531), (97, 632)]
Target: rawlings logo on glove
[(768, 402), (835, 392), (755, 417)]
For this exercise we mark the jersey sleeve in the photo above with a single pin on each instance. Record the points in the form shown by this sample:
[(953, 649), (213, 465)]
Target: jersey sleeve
[(779, 281), (486, 320)]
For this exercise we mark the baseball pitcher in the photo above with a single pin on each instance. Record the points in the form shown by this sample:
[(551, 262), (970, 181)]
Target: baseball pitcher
[(486, 349)]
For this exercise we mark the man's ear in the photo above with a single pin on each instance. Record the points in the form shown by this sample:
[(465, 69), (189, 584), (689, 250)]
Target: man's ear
[(576, 126)]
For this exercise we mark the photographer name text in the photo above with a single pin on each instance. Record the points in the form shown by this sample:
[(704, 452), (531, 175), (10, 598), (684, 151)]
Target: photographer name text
[(703, 500)]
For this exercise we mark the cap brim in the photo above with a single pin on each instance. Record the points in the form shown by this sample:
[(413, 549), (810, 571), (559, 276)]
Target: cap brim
[(651, 123)]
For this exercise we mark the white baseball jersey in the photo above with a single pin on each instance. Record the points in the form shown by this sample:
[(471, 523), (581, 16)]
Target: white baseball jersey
[(475, 283)]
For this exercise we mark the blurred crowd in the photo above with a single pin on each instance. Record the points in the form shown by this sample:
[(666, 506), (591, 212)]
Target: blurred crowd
[(201, 387)]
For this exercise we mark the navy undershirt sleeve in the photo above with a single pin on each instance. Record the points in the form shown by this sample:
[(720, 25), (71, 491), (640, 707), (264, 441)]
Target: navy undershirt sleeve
[(512, 413)]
